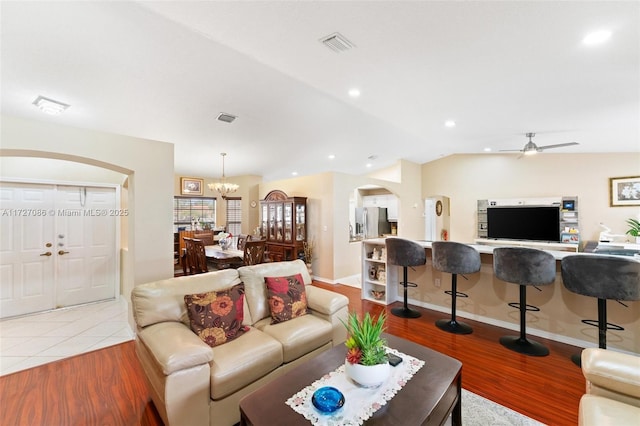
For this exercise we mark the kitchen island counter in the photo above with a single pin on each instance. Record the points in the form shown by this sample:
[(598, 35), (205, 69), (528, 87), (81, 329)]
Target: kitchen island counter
[(559, 318)]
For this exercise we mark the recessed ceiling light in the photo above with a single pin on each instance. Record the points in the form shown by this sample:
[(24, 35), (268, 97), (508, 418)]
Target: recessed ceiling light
[(50, 106), (596, 37), (294, 173), (450, 123), (331, 156), (354, 93), (487, 150), (369, 165)]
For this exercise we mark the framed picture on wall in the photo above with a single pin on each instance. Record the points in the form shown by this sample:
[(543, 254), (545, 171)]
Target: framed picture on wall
[(191, 186), (624, 191)]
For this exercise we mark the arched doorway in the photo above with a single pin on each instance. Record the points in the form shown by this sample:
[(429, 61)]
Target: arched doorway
[(61, 223)]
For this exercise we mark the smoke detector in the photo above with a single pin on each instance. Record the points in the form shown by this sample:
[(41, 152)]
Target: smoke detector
[(227, 118), (337, 42)]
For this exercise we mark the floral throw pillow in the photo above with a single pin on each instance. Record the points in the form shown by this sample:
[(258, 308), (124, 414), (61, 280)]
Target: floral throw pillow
[(216, 317), (287, 297)]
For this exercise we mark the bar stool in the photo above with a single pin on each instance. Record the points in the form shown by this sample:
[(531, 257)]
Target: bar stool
[(604, 277), (524, 266), (454, 258), (405, 253)]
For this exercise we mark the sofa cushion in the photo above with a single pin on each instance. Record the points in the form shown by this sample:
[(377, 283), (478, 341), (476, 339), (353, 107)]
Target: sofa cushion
[(299, 336), (243, 361), (287, 297), (256, 290), (216, 316), (163, 300)]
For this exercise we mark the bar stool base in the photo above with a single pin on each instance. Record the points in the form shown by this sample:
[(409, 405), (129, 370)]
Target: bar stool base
[(405, 312), (577, 359), (524, 346), (453, 326)]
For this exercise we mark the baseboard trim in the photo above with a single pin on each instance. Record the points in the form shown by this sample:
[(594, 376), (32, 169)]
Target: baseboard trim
[(510, 326), (351, 281)]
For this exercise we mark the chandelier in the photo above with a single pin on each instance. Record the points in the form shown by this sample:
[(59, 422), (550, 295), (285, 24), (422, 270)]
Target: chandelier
[(223, 187)]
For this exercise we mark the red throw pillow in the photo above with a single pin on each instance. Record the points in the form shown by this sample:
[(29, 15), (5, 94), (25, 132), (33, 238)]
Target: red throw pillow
[(216, 317), (287, 297)]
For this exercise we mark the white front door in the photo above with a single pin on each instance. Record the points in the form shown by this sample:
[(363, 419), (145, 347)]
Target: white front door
[(26, 248), (58, 246), (85, 241)]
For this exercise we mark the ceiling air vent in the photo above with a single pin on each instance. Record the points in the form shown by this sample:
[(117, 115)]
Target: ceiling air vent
[(227, 118), (337, 42)]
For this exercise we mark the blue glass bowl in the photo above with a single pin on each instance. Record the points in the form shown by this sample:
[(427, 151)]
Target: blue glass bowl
[(327, 399)]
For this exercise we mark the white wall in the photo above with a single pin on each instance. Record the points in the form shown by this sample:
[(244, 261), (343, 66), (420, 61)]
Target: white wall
[(468, 178), (248, 191), (148, 166), (328, 213)]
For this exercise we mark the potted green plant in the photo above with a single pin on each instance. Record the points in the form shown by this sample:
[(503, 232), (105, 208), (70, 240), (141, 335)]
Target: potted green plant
[(634, 228), (366, 362)]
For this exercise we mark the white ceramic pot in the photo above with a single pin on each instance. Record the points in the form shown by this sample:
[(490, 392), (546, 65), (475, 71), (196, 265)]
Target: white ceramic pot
[(368, 376)]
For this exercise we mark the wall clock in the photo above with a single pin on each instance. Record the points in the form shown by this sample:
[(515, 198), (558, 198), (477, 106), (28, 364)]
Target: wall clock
[(253, 203), (439, 208)]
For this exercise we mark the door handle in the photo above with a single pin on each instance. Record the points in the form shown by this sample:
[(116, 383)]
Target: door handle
[(46, 254), (61, 252)]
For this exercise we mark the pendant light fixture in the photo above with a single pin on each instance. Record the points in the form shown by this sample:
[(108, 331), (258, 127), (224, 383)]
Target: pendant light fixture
[(223, 187)]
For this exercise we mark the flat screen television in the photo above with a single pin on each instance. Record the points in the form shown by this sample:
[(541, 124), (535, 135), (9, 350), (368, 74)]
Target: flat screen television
[(537, 223)]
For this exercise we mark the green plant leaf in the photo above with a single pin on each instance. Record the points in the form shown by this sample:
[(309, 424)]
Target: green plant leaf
[(365, 335), (634, 227)]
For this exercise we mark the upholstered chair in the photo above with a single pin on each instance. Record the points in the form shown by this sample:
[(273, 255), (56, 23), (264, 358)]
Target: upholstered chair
[(605, 278), (405, 253), (454, 258), (525, 267)]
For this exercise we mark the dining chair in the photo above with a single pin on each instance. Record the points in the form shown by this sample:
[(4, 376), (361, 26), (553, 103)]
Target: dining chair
[(196, 258), (242, 238), (206, 237), (254, 252), (184, 259)]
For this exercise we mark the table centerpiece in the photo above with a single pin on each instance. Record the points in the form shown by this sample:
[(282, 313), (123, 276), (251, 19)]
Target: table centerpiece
[(224, 240), (366, 362)]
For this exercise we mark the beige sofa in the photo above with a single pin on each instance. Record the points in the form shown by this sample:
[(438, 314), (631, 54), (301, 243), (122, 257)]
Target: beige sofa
[(613, 388), (194, 384)]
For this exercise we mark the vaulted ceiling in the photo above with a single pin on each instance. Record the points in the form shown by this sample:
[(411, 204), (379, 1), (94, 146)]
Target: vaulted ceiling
[(164, 70)]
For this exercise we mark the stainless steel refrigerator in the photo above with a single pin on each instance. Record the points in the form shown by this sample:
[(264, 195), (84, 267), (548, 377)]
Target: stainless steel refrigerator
[(371, 222)]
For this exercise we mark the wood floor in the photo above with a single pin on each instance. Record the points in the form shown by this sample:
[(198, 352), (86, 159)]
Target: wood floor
[(106, 387)]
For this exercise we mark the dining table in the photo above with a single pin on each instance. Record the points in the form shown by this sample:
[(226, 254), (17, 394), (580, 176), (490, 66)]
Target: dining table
[(223, 259)]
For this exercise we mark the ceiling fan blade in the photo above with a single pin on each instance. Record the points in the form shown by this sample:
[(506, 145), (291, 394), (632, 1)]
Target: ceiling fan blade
[(558, 145)]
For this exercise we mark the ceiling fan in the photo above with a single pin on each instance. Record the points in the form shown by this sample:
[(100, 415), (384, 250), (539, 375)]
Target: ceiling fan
[(531, 148)]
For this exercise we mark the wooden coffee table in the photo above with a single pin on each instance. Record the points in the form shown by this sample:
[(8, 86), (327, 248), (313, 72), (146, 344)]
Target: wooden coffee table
[(428, 398)]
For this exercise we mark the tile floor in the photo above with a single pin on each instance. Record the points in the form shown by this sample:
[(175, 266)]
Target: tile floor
[(33, 340)]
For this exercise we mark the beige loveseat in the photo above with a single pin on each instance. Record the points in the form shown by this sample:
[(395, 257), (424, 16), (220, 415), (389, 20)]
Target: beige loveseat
[(613, 388), (194, 384)]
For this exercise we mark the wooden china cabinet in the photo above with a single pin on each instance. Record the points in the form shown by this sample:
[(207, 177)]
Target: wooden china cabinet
[(283, 222)]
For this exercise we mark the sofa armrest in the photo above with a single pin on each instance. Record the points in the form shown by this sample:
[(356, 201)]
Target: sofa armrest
[(330, 306), (612, 374), (174, 346), (324, 301)]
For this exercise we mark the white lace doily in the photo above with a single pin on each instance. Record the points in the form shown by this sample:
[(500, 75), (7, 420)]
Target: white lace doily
[(360, 403)]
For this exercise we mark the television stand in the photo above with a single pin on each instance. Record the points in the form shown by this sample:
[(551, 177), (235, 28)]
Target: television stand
[(570, 247)]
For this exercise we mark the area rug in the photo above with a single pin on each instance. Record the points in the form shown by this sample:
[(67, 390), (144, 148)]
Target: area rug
[(479, 411)]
